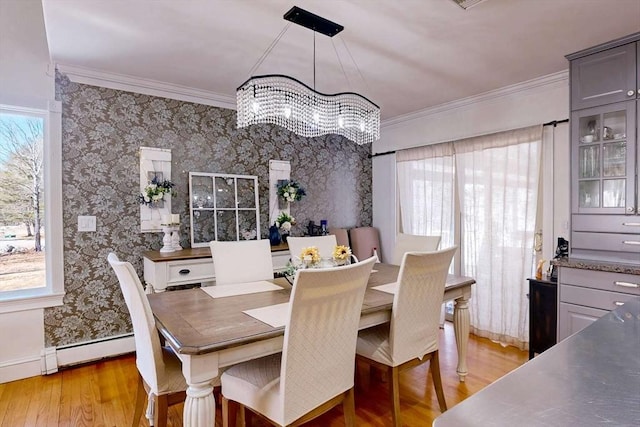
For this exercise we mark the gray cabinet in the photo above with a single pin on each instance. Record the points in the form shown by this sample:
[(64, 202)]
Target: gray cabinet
[(586, 295), (605, 205), (605, 77)]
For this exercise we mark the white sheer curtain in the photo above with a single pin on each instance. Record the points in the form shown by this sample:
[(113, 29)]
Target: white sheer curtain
[(426, 187), (498, 185), (497, 177)]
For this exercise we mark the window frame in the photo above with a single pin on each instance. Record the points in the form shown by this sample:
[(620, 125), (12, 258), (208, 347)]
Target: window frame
[(53, 292)]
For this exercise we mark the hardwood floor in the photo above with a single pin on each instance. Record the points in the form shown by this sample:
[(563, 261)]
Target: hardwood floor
[(103, 393)]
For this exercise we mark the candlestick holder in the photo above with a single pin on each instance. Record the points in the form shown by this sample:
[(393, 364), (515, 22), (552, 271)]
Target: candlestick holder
[(171, 239)]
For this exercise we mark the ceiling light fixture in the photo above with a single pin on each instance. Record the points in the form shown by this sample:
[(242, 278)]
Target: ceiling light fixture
[(466, 4), (287, 102)]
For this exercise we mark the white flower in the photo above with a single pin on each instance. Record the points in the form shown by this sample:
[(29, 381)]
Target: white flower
[(286, 226), (146, 198), (157, 197)]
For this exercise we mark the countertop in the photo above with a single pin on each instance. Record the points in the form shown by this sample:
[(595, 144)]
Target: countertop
[(611, 267), (591, 378)]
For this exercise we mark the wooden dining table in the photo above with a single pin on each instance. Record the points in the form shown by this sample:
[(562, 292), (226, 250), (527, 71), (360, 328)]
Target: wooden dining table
[(209, 334)]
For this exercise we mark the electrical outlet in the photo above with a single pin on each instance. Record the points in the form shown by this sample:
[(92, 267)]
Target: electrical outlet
[(86, 223)]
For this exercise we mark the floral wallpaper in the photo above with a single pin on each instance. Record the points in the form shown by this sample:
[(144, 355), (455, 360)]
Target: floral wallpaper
[(102, 131)]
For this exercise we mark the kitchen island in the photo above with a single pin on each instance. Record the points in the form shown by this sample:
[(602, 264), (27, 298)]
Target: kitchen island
[(592, 378)]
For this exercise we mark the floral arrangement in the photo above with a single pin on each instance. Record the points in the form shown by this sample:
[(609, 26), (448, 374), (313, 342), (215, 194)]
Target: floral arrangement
[(285, 221), (341, 253), (291, 191), (155, 191), (310, 255)]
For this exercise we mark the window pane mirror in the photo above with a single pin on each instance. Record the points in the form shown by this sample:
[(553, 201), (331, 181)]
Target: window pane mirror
[(223, 207)]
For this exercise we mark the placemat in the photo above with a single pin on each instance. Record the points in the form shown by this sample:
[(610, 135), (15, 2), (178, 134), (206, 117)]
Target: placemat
[(221, 291), (389, 288), (273, 315)]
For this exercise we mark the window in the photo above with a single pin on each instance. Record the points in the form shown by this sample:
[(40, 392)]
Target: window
[(30, 208)]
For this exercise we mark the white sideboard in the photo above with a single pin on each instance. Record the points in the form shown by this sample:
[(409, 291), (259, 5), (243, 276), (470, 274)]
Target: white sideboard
[(189, 266)]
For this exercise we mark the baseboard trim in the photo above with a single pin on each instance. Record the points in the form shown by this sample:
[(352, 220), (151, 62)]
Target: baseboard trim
[(19, 369), (96, 350)]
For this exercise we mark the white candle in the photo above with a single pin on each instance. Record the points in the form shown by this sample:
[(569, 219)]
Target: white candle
[(166, 219), (175, 219)]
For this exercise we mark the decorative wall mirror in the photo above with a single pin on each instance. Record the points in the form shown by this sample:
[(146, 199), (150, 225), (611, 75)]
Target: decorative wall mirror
[(223, 207)]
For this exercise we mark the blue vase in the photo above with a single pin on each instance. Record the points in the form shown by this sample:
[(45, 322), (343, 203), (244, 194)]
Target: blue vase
[(274, 236)]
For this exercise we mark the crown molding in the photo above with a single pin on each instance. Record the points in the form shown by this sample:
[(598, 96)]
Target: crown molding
[(561, 77), (145, 86)]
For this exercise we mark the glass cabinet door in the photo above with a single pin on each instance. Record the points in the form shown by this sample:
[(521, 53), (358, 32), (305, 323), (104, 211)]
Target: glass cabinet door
[(223, 207), (603, 157)]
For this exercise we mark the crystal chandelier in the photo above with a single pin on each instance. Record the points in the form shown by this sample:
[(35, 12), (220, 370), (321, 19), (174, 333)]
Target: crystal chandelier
[(287, 102)]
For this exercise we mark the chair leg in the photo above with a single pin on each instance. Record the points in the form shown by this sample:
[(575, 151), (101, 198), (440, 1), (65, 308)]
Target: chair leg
[(434, 366), (349, 408), (141, 399), (394, 392), (228, 413), (160, 411)]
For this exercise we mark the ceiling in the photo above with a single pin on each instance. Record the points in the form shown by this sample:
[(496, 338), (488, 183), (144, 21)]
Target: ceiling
[(405, 55)]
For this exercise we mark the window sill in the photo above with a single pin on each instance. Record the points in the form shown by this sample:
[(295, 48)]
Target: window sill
[(32, 302)]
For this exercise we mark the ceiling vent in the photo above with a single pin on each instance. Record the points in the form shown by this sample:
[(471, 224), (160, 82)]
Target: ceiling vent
[(466, 4)]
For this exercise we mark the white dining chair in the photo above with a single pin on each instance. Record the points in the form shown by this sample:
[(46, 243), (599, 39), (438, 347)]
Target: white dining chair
[(411, 338), (161, 381), (325, 244), (413, 243), (241, 261), (315, 370)]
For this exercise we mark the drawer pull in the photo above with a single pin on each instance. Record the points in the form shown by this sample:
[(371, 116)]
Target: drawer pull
[(631, 242), (618, 303), (184, 271), (631, 224), (627, 284)]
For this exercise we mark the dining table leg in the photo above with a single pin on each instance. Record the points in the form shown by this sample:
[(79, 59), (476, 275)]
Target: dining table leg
[(461, 323), (199, 405)]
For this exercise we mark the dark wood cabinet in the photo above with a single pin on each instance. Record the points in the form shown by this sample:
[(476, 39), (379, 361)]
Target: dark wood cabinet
[(543, 297)]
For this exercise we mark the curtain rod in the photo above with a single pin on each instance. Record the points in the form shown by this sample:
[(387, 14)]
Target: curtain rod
[(553, 123)]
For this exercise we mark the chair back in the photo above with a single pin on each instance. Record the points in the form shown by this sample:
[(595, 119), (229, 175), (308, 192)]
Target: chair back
[(241, 261), (320, 337), (413, 243), (363, 241), (416, 304), (325, 245), (342, 236), (148, 349)]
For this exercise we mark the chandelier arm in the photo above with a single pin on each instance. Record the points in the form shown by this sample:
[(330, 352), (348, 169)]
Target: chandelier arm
[(355, 63), (269, 49), (335, 49)]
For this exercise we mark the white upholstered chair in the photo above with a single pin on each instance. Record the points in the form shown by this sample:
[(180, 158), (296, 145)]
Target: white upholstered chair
[(411, 338), (325, 245), (315, 370), (413, 243), (161, 381), (363, 242), (242, 261)]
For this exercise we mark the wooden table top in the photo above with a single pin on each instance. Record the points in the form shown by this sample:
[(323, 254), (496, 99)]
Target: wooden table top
[(194, 253), (196, 323)]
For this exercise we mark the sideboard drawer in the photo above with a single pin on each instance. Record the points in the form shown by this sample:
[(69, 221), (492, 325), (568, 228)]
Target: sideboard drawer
[(189, 271), (606, 281), (603, 300), (606, 241), (626, 224)]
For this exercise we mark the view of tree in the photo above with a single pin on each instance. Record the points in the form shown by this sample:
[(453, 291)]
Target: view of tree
[(21, 174)]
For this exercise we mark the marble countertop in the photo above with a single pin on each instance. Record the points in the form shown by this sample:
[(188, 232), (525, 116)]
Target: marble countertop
[(584, 264), (591, 378)]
